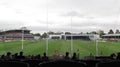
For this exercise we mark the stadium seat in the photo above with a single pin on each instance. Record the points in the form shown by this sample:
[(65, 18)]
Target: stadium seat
[(13, 64), (62, 63), (102, 57), (33, 63), (108, 64), (90, 63)]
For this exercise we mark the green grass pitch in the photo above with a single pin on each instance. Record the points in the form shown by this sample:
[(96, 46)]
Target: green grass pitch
[(84, 48)]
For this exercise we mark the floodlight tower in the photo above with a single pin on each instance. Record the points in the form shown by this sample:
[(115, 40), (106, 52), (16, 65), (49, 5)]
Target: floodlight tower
[(71, 46), (22, 47), (47, 27)]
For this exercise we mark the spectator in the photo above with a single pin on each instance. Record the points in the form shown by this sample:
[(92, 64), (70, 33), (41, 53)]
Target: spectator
[(45, 57), (21, 56), (3, 57), (56, 55), (8, 56), (66, 57), (113, 56), (38, 57), (15, 56), (32, 57), (118, 56), (74, 57), (28, 57)]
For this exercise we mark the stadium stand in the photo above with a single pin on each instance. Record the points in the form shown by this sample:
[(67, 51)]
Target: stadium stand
[(45, 61), (62, 63), (33, 63), (115, 63), (13, 64), (87, 37), (91, 63), (15, 35)]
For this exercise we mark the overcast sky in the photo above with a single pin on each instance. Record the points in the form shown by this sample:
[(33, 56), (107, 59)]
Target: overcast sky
[(87, 15)]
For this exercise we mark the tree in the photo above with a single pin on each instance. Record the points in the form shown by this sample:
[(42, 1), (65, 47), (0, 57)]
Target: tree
[(117, 31), (50, 32), (101, 32), (110, 31), (59, 33), (81, 33), (37, 34), (67, 33), (93, 32), (44, 35), (87, 33)]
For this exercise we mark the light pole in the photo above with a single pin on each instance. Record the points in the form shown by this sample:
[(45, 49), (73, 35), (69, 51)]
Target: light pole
[(22, 38), (71, 36), (96, 47), (47, 27)]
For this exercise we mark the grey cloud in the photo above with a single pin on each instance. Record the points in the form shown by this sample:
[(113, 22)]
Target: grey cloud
[(46, 22), (90, 24), (73, 13), (82, 9), (38, 29), (90, 7), (76, 14), (10, 24)]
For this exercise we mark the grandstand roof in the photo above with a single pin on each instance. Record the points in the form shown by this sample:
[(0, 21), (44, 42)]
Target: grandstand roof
[(18, 30), (73, 34), (111, 35), (15, 30), (80, 34)]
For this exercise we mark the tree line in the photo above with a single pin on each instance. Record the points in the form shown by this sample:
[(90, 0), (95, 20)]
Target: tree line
[(100, 33)]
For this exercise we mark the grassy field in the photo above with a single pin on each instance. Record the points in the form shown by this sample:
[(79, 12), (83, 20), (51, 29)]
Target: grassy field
[(84, 48)]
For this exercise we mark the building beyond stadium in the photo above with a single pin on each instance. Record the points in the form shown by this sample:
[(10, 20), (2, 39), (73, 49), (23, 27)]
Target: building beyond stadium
[(74, 37), (111, 37), (16, 35)]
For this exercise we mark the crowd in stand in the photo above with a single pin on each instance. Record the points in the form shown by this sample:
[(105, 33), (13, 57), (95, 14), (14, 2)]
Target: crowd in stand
[(56, 56), (115, 56), (44, 57)]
